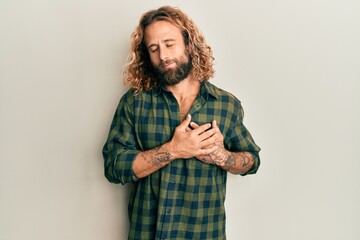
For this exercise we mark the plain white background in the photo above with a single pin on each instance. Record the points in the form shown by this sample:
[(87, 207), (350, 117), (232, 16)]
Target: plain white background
[(293, 64)]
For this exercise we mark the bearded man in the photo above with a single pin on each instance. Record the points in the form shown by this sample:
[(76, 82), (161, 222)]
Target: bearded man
[(175, 135)]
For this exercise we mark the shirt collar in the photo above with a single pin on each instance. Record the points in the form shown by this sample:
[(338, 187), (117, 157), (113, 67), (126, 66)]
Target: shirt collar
[(206, 89)]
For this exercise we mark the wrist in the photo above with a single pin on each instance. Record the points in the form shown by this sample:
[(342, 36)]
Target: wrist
[(170, 147)]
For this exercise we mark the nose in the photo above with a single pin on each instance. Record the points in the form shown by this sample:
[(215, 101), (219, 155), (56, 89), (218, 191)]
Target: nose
[(163, 54)]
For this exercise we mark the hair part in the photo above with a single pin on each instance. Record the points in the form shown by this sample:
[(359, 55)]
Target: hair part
[(139, 73)]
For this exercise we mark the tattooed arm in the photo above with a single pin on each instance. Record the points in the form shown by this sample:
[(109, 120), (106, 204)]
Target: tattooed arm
[(233, 162), (237, 162), (184, 144), (150, 161)]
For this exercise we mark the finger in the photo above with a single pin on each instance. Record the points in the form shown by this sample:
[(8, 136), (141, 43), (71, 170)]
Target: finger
[(202, 128), (204, 158), (214, 124), (219, 135), (186, 122), (209, 134), (206, 151), (209, 143), (194, 125)]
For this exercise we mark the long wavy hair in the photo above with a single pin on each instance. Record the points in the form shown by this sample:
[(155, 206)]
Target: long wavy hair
[(139, 73)]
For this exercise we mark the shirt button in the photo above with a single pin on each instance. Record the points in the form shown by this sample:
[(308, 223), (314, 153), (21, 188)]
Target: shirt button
[(168, 211)]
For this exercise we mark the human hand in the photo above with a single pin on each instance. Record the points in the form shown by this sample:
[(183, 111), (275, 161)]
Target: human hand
[(219, 154), (197, 142)]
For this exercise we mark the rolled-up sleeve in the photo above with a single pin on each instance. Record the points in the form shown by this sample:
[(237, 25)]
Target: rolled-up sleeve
[(120, 148), (240, 139)]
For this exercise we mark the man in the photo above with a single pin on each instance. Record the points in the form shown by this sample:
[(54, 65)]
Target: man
[(175, 135)]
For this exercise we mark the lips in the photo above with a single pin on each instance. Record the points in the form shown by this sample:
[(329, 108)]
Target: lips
[(168, 65)]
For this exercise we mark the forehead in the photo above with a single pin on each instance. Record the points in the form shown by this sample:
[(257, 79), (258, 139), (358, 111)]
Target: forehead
[(160, 31)]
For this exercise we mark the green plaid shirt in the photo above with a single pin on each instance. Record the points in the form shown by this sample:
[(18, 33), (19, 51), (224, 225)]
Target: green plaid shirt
[(184, 199)]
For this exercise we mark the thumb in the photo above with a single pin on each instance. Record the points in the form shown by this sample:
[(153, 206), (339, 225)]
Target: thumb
[(214, 124), (185, 123)]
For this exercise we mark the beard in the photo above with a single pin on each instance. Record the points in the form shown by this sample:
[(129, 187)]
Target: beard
[(172, 76)]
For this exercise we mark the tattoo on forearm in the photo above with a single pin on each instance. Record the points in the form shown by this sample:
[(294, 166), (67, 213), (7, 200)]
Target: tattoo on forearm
[(162, 156), (157, 158), (244, 162), (230, 161)]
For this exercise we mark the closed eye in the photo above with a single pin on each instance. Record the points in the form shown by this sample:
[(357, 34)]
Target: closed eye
[(153, 49)]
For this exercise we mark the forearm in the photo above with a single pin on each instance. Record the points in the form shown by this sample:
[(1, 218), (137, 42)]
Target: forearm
[(184, 144), (236, 162), (147, 162)]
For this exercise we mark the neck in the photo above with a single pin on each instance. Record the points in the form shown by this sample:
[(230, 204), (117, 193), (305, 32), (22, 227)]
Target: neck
[(184, 89)]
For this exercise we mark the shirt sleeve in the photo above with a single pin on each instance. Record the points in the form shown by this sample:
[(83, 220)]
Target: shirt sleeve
[(120, 148), (240, 139)]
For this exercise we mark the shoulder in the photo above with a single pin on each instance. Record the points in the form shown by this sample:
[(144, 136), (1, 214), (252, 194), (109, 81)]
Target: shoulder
[(131, 97), (223, 96)]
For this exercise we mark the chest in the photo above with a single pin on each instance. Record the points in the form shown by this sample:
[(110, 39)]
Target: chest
[(155, 122), (185, 106)]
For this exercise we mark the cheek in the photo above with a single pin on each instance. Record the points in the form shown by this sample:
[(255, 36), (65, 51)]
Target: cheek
[(155, 60)]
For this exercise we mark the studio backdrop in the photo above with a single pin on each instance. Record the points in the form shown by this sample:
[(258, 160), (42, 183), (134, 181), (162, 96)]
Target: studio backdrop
[(293, 64)]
